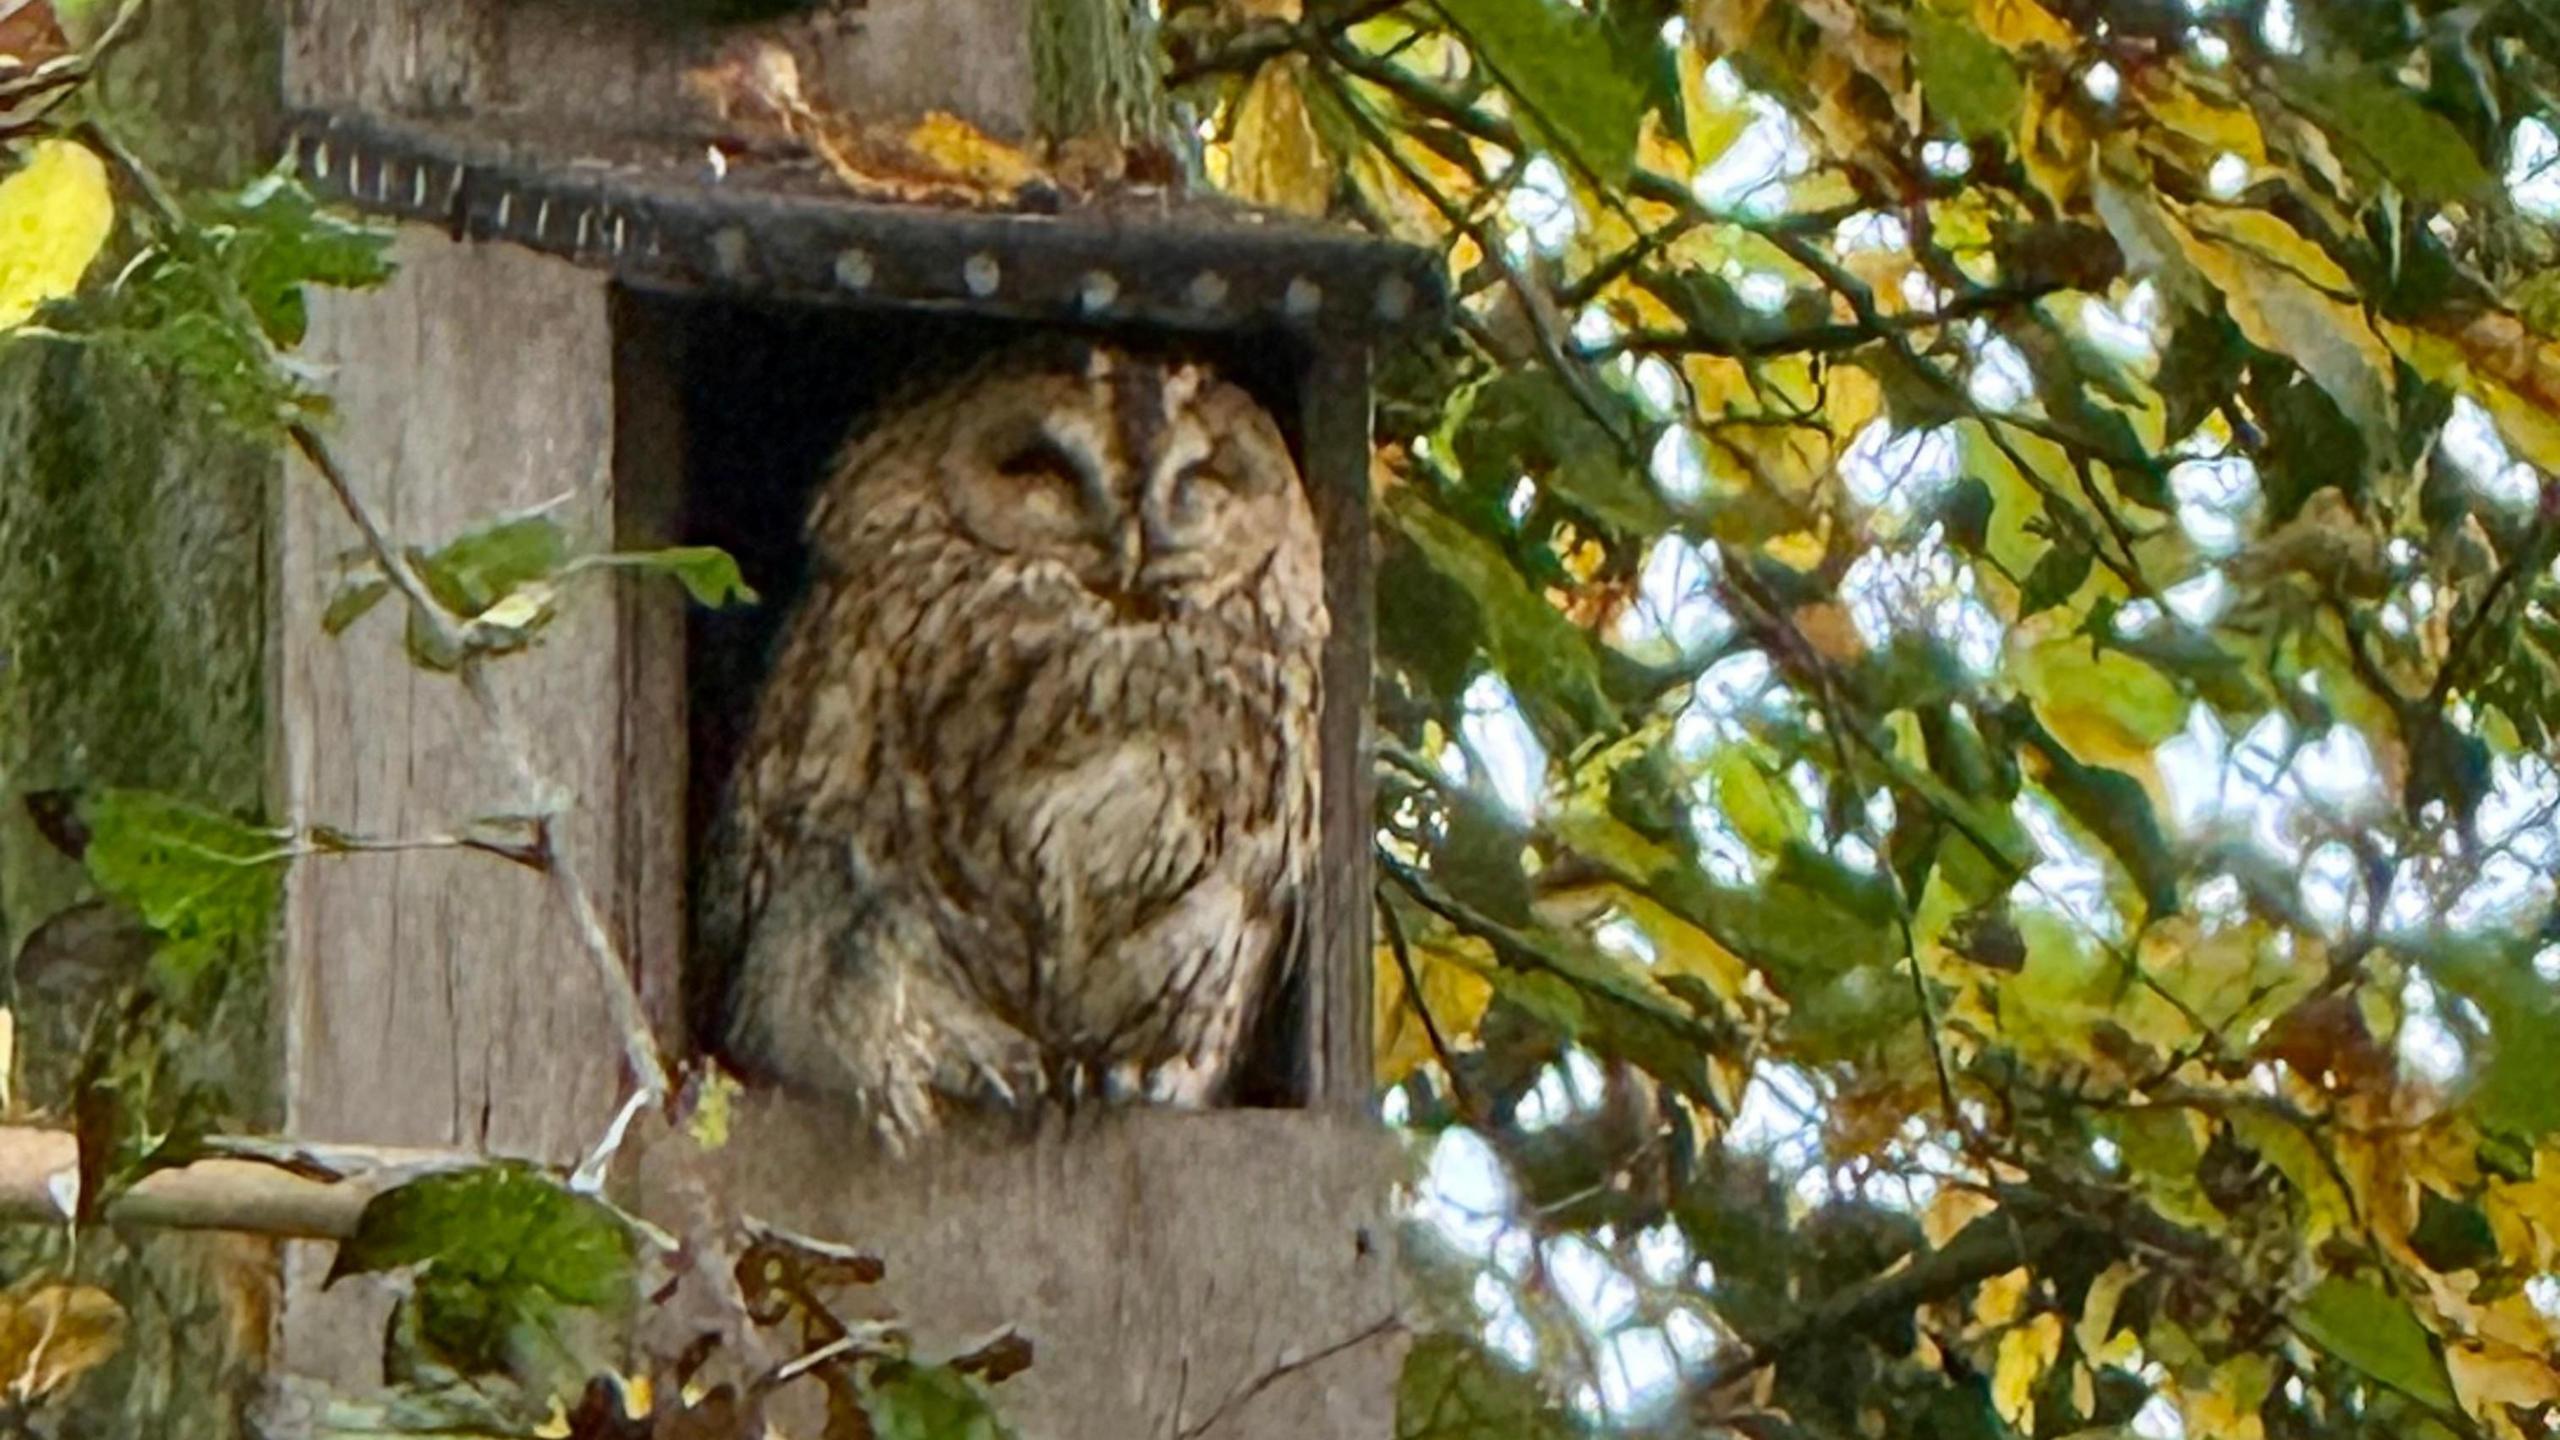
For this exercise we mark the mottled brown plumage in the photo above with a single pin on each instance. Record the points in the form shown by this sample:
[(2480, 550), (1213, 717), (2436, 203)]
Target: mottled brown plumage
[(1029, 801)]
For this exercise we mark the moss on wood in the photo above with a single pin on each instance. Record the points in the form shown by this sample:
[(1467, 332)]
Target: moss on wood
[(134, 651)]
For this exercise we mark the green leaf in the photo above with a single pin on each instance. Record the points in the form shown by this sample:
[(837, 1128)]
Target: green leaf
[(504, 1225), (1453, 1389), (278, 241), (2451, 1235), (1966, 78), (1548, 999), (1915, 396), (512, 1272), (1760, 808), (2515, 1092), (1558, 62), (1526, 422), (478, 569), (205, 882), (1479, 858), (352, 604), (2385, 128), (2112, 806), (2375, 1333), (1964, 507), (1548, 660), (2536, 301), (2057, 577), (708, 573), (930, 1402), (2199, 369), (2312, 443)]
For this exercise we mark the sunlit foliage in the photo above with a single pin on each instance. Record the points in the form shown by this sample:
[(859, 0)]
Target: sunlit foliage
[(1969, 659)]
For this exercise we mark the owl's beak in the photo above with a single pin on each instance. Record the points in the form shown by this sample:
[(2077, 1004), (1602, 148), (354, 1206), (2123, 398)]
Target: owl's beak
[(1129, 556)]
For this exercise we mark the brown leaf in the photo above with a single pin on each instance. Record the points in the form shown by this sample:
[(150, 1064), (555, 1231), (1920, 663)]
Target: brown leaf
[(51, 1334), (1826, 627), (29, 35), (2326, 1036)]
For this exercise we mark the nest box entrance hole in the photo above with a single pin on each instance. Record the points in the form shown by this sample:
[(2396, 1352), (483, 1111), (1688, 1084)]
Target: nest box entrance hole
[(732, 412)]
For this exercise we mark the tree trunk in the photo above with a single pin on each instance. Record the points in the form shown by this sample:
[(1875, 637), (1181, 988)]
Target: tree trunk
[(133, 652)]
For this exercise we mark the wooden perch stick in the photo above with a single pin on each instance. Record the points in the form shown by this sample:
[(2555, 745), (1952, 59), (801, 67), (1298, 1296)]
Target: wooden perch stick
[(288, 1195)]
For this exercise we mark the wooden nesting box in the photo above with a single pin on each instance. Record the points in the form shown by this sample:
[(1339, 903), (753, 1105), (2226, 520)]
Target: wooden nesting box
[(586, 314)]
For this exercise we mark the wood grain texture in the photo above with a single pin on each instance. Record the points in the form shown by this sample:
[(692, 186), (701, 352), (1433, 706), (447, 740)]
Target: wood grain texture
[(586, 64), (440, 998), (1160, 1262), (1335, 441)]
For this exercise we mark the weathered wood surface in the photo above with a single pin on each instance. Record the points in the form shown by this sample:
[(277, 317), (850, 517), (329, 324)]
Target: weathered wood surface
[(440, 998), (1335, 418), (1163, 1265), (583, 62)]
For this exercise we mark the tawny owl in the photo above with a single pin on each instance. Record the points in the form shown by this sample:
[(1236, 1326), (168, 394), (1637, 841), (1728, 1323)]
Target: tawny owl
[(1029, 802)]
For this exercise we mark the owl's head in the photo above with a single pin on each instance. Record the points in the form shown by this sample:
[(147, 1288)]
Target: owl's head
[(1160, 485)]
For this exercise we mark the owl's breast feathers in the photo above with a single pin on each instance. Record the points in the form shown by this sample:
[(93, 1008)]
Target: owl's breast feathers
[(1106, 824)]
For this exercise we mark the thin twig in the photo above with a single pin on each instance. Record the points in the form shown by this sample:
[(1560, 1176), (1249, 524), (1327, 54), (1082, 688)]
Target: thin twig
[(1396, 943), (648, 1067), (1244, 1393), (622, 997)]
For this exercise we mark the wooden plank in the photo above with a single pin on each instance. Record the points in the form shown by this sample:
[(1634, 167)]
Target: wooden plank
[(1336, 413), (653, 737), (1160, 1262), (440, 998)]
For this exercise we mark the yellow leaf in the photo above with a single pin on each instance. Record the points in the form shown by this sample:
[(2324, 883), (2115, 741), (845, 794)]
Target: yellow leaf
[(52, 1334), (2017, 24), (715, 1103), (1852, 397), (1800, 550), (2025, 1354), (2282, 291), (1710, 123), (2228, 1408), (1453, 991), (2054, 145), (2211, 127), (54, 216), (1681, 948), (1953, 1209), (2104, 706), (2002, 1298), (2098, 1308), (2531, 431), (2269, 239), (1280, 161), (963, 152), (2491, 1379)]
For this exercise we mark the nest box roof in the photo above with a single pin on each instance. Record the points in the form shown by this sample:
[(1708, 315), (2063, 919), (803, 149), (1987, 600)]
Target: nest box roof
[(668, 220)]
